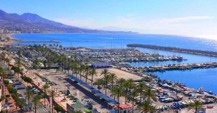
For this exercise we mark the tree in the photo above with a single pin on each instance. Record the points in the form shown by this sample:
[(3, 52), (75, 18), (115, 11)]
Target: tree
[(92, 73), (118, 92), (58, 108), (87, 71), (36, 63), (27, 79), (35, 101), (196, 105), (128, 84), (80, 70), (28, 94), (134, 93), (104, 72), (113, 78), (98, 82), (21, 103), (2, 73), (45, 87), (2, 98), (149, 94), (121, 81), (146, 107), (140, 88), (107, 79), (74, 68), (3, 76)]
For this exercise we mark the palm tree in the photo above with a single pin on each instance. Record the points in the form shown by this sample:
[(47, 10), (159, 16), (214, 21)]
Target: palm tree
[(98, 82), (118, 92), (140, 88), (104, 72), (113, 78), (128, 84), (35, 101), (149, 94), (133, 94), (74, 68), (121, 81), (107, 79), (28, 94), (146, 107), (45, 87), (21, 103), (92, 73), (80, 70), (86, 72), (2, 73), (196, 105)]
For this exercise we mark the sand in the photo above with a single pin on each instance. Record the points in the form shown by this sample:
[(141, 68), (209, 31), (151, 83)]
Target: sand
[(119, 73)]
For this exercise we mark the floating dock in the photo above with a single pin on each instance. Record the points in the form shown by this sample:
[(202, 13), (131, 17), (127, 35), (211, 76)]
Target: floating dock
[(175, 49)]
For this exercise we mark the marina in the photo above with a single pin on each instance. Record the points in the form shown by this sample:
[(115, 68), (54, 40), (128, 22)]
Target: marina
[(170, 94)]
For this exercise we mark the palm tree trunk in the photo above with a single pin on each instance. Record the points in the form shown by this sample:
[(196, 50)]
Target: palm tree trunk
[(112, 82), (35, 108), (106, 88), (92, 81), (86, 78), (52, 105), (118, 103), (80, 76)]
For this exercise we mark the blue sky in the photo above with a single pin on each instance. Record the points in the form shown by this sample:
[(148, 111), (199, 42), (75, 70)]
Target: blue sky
[(179, 17)]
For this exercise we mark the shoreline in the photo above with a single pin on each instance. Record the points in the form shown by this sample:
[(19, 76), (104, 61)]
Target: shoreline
[(8, 39)]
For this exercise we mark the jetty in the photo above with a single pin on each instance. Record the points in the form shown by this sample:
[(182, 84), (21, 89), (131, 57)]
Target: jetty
[(38, 41), (175, 49)]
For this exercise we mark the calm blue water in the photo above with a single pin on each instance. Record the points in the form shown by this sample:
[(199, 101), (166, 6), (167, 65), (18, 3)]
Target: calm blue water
[(194, 78)]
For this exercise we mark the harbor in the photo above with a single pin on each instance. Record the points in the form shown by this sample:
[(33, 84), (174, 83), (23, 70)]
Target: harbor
[(170, 95)]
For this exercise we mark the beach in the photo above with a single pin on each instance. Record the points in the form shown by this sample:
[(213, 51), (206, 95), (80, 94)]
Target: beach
[(7, 39)]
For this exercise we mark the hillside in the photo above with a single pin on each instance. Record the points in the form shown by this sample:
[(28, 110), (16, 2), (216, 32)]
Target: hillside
[(33, 23)]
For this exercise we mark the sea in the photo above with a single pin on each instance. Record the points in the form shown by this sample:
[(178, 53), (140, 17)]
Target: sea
[(206, 78)]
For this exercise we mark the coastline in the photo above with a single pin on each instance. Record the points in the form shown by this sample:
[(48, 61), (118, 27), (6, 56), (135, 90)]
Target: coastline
[(7, 39)]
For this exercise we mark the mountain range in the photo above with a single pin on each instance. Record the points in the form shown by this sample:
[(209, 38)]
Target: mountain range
[(33, 23)]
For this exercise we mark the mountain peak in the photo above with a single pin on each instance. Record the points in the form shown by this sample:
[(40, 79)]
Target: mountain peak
[(30, 15)]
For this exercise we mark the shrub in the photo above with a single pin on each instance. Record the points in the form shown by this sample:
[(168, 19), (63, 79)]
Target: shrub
[(16, 69), (58, 108), (27, 79), (11, 89), (6, 82)]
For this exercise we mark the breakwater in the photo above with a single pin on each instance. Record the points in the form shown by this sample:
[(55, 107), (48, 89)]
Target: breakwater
[(175, 49), (179, 67), (38, 41)]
